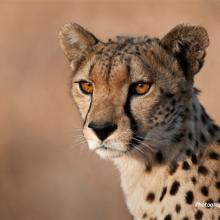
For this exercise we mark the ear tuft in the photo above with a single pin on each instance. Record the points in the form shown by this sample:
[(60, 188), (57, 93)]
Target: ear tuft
[(187, 43), (74, 39)]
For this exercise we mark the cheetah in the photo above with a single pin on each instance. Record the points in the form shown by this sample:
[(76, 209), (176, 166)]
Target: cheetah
[(140, 109)]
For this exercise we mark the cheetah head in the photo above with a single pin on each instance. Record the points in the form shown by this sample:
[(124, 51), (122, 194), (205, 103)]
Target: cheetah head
[(132, 92)]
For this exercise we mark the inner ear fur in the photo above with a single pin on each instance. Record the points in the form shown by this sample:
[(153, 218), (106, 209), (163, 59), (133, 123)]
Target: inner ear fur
[(74, 40), (187, 43)]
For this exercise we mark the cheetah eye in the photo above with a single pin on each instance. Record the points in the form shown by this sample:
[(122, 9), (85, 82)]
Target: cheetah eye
[(141, 88), (86, 87)]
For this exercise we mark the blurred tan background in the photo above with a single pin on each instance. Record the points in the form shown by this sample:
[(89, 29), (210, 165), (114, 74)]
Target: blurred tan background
[(46, 172)]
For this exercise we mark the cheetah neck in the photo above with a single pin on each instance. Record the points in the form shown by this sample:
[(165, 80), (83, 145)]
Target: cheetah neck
[(141, 175)]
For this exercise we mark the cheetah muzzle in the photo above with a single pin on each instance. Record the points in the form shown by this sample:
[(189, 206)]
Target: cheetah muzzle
[(137, 99)]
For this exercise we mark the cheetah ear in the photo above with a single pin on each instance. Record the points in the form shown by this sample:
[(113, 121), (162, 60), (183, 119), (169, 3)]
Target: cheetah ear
[(74, 39), (187, 43)]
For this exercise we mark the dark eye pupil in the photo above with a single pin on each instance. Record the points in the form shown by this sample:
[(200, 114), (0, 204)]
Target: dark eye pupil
[(86, 87)]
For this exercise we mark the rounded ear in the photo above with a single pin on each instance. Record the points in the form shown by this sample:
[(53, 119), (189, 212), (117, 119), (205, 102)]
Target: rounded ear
[(187, 43), (74, 39)]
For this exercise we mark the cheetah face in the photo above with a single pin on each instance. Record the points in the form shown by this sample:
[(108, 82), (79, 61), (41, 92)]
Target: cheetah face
[(131, 92), (114, 104)]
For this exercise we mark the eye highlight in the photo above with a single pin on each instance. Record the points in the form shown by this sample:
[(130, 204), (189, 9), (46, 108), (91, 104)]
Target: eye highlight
[(141, 88), (86, 87)]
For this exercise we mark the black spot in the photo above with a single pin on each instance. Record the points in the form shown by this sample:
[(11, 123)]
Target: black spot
[(216, 127), (174, 188), (188, 152), (150, 121), (148, 168), (167, 115), (178, 137), (185, 165), (190, 136), (159, 112), (210, 201), (216, 173), (195, 118), (156, 124), (150, 197), (198, 215), (203, 118), (189, 197), (196, 144), (194, 159), (193, 179), (185, 218), (161, 90), (173, 102), (203, 138), (144, 215), (136, 48), (203, 170), (211, 130), (138, 53), (173, 167), (167, 109), (213, 155), (159, 157), (163, 193), (169, 95), (182, 115), (217, 185), (172, 110), (187, 110), (168, 217), (205, 190), (178, 208)]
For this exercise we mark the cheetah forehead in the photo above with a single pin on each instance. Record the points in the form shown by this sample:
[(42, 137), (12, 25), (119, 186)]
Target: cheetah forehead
[(140, 58)]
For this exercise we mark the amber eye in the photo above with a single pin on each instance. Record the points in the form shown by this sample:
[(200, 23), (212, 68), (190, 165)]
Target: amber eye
[(141, 88), (86, 87)]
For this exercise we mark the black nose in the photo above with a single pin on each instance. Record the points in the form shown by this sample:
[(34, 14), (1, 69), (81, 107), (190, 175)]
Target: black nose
[(102, 129)]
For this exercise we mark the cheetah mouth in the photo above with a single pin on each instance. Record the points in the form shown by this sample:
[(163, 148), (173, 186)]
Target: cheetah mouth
[(108, 152)]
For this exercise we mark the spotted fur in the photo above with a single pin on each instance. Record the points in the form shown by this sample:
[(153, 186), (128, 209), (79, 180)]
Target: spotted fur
[(164, 144)]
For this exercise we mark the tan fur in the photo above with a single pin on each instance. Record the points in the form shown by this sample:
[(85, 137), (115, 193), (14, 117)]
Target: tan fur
[(164, 144)]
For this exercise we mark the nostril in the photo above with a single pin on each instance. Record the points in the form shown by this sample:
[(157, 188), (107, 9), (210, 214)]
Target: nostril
[(102, 129), (92, 125)]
